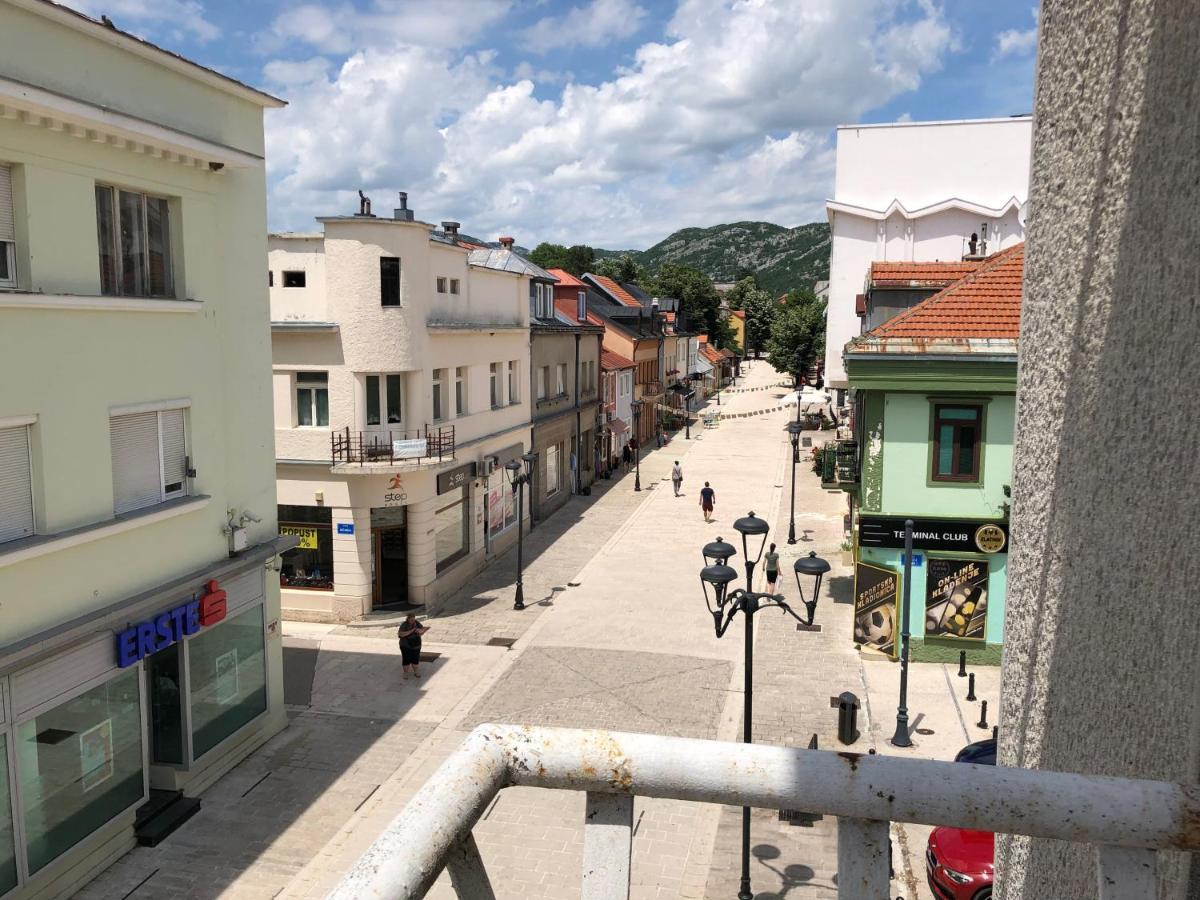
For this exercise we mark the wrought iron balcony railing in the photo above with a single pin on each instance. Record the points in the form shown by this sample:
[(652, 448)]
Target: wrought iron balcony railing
[(393, 447), (838, 465), (1126, 820)]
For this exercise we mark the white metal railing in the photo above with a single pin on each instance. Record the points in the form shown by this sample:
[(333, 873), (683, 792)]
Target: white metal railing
[(1127, 820)]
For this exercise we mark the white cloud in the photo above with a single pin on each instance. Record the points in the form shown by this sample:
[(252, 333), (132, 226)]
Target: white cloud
[(178, 19), (1016, 42), (595, 24), (727, 117)]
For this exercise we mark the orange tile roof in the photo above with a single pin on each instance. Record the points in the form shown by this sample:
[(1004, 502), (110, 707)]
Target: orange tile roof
[(610, 360), (570, 309), (712, 354), (566, 279), (984, 305), (619, 293), (920, 274)]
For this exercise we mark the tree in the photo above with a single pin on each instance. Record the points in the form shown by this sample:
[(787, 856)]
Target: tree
[(760, 308), (797, 338), (622, 269), (698, 298), (549, 256), (580, 258)]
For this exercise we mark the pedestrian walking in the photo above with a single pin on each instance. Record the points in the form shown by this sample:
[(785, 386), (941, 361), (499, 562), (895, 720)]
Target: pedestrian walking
[(708, 499), (658, 436), (409, 634), (626, 457), (676, 477), (772, 567)]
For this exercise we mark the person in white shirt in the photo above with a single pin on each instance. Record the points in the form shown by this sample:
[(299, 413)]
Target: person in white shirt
[(676, 477)]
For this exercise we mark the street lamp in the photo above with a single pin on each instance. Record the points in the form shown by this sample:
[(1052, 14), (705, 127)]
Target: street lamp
[(794, 429), (816, 567), (902, 738), (519, 479), (715, 578), (637, 445), (687, 415)]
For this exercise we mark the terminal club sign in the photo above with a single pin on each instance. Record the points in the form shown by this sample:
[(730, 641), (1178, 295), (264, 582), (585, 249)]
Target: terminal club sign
[(961, 535), (148, 637)]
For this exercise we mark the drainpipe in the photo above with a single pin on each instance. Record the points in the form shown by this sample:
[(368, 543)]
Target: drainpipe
[(578, 418)]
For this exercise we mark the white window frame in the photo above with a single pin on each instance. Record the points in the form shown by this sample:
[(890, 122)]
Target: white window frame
[(169, 250), (28, 526), (552, 472), (438, 395), (514, 384), (441, 284), (497, 396), (461, 400), (163, 494), (8, 227), (384, 395), (543, 376), (560, 379), (312, 387)]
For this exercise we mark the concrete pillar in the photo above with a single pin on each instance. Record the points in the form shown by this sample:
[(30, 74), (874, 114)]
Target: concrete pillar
[(1102, 657), (352, 578), (422, 549)]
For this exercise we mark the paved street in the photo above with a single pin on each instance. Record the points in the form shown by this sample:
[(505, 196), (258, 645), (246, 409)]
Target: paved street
[(616, 635)]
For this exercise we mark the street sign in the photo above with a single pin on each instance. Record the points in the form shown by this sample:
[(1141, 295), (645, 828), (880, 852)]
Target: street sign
[(963, 535)]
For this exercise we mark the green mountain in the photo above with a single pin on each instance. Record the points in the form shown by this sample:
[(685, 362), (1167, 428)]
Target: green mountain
[(782, 258)]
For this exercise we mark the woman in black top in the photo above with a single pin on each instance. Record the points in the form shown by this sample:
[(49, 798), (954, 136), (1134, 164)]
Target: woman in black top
[(410, 644)]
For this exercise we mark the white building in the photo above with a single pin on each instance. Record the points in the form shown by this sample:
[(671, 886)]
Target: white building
[(918, 192), (401, 370)]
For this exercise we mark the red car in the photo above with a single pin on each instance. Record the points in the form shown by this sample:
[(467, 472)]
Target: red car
[(958, 864)]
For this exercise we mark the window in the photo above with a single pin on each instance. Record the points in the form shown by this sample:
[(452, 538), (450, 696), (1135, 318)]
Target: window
[(16, 484), (450, 527), (81, 766), (309, 565), (8, 231), (312, 399), (441, 284), (552, 462), (228, 676), (460, 391), (494, 379), (149, 458), (514, 392), (957, 437), (384, 393), (560, 379), (543, 375), (8, 844), (581, 303), (134, 235), (389, 281), (294, 279), (454, 285), (270, 278), (541, 298), (439, 397)]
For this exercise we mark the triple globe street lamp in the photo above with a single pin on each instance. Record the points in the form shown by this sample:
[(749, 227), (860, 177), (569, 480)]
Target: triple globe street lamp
[(519, 478), (723, 604)]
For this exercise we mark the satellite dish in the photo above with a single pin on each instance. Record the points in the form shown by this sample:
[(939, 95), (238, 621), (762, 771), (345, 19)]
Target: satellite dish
[(1023, 214)]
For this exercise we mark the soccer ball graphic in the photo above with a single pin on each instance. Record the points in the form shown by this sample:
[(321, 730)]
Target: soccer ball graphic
[(876, 628)]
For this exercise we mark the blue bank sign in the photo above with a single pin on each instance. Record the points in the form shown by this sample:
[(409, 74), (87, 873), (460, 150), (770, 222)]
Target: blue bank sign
[(148, 637)]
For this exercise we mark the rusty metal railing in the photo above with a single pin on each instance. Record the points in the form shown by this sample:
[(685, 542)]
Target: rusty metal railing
[(392, 447), (1126, 820)]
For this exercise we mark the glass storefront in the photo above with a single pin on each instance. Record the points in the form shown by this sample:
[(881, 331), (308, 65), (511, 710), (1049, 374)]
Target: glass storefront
[(80, 764), (8, 845), (227, 668), (451, 527), (309, 565)]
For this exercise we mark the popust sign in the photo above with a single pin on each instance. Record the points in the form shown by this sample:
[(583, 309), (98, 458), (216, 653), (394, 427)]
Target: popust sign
[(962, 535)]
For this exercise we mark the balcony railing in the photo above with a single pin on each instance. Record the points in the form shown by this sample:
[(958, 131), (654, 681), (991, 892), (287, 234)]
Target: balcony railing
[(651, 388), (1126, 820), (393, 447), (838, 465)]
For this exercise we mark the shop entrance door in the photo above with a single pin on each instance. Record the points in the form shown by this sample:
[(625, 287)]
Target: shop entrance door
[(391, 568), (165, 677)]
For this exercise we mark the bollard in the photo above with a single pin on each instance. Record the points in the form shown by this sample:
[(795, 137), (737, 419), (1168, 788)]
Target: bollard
[(983, 715), (962, 663), (971, 687), (847, 718), (995, 732)]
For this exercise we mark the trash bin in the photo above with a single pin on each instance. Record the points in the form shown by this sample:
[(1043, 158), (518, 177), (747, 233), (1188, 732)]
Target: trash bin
[(847, 718)]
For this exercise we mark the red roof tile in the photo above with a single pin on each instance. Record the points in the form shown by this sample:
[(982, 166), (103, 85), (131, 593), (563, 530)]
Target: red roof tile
[(984, 305), (920, 274), (610, 360), (618, 293), (565, 278), (712, 354), (570, 309)]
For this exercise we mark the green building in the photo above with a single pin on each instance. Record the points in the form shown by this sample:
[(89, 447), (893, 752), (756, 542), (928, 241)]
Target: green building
[(934, 417)]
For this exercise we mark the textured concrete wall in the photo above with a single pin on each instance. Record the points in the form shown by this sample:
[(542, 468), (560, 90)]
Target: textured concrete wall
[(1102, 664)]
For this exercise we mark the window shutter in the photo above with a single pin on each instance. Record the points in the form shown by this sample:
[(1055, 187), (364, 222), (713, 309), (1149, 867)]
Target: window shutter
[(136, 477), (8, 230), (16, 497), (174, 452)]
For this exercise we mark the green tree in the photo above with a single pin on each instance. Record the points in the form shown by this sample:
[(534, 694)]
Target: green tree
[(622, 269), (699, 299), (760, 308), (580, 258), (797, 338), (549, 256)]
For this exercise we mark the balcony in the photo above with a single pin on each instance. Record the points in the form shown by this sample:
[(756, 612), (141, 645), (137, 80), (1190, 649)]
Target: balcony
[(386, 449), (650, 388), (838, 465), (1126, 820)]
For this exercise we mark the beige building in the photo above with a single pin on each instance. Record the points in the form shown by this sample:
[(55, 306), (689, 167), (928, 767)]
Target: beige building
[(140, 649), (401, 370)]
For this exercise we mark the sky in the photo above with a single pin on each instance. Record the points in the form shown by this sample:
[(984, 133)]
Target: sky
[(605, 122)]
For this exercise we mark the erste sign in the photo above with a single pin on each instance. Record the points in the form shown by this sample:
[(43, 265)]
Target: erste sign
[(145, 638)]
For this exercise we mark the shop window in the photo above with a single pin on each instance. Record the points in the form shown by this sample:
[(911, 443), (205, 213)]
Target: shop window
[(312, 399), (450, 527), (309, 565), (16, 493), (228, 677), (384, 395), (149, 458), (552, 463), (8, 844), (134, 237), (957, 438), (80, 765)]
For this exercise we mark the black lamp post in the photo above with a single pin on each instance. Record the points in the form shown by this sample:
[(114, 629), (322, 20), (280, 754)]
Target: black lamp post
[(519, 479), (687, 415), (637, 446), (816, 567), (794, 429), (902, 738), (718, 575)]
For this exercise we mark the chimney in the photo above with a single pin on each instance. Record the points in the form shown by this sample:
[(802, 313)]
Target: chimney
[(403, 213), (506, 242), (451, 228)]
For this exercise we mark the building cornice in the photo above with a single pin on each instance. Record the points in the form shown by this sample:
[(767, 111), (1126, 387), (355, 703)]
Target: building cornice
[(896, 206), (100, 303)]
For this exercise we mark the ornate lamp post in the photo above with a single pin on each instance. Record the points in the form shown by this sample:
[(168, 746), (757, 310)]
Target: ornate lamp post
[(794, 429), (687, 415), (716, 576), (816, 567), (901, 738), (519, 479), (637, 446)]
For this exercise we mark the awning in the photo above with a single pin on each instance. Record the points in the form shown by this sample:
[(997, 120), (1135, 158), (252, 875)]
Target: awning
[(618, 427), (703, 366)]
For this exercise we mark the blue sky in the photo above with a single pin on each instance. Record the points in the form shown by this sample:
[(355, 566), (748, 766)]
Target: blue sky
[(610, 122)]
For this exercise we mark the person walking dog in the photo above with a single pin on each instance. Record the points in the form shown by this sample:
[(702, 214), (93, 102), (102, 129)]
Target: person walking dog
[(708, 499), (676, 477), (409, 634)]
